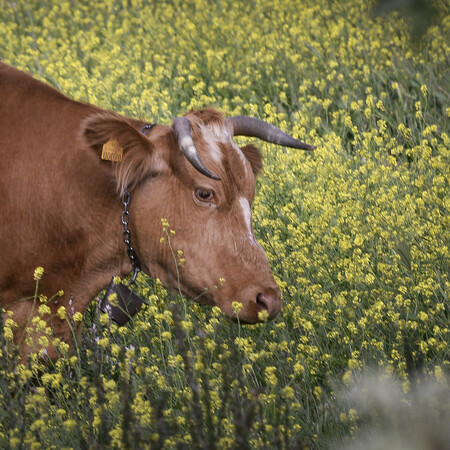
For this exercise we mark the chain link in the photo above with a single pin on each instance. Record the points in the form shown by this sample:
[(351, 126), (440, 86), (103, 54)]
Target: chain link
[(126, 199)]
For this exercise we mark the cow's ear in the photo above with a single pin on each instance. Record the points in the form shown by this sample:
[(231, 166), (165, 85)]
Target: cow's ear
[(115, 139), (254, 157)]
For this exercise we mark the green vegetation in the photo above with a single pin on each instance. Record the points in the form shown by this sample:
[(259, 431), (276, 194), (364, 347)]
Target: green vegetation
[(357, 233)]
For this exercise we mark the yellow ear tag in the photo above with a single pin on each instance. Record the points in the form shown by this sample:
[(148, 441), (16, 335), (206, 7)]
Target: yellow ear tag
[(112, 151)]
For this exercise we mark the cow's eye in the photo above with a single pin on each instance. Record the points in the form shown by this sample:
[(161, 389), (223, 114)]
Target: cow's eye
[(204, 195)]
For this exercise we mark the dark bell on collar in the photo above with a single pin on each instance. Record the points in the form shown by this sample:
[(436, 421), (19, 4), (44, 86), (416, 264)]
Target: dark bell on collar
[(126, 305)]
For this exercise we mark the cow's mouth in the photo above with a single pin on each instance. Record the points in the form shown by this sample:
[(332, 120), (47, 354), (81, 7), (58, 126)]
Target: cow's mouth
[(250, 313), (203, 297)]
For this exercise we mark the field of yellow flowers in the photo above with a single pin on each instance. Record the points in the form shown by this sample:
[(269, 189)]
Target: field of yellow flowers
[(357, 232)]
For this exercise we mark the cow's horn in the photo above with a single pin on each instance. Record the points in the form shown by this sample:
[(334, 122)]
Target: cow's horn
[(249, 126), (182, 129)]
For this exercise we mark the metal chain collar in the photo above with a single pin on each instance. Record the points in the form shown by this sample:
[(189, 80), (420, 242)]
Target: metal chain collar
[(126, 200)]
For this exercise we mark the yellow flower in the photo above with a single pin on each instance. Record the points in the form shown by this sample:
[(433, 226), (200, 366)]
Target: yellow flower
[(69, 424), (352, 414), (39, 271), (317, 391), (63, 347), (166, 335), (298, 368), (104, 319), (347, 377), (369, 278), (78, 317), (43, 341), (271, 377), (237, 307), (113, 300), (104, 342), (288, 392), (61, 313), (44, 309), (14, 442)]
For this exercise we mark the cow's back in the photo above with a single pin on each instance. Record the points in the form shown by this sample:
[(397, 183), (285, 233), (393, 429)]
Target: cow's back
[(48, 180)]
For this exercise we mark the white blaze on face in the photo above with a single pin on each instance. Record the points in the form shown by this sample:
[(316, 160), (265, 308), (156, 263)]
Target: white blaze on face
[(214, 134), (245, 206)]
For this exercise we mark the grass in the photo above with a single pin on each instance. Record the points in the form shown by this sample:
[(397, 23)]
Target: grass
[(357, 233)]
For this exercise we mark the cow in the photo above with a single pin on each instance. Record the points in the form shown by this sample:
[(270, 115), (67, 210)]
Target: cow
[(65, 168)]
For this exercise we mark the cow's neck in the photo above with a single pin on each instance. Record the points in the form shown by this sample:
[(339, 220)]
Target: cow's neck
[(128, 263)]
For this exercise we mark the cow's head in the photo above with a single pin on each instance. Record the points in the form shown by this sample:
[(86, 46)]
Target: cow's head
[(193, 175)]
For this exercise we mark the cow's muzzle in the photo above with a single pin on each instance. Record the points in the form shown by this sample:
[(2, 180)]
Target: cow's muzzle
[(260, 306)]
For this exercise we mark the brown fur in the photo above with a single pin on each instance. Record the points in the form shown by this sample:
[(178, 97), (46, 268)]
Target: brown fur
[(61, 207)]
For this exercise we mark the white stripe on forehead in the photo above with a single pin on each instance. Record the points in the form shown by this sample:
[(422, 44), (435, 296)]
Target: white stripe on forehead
[(213, 134), (245, 205)]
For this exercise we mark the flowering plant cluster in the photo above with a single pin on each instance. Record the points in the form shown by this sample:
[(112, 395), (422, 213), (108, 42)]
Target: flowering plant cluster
[(357, 232)]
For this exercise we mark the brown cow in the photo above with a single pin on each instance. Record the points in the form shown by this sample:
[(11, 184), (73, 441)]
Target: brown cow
[(61, 202)]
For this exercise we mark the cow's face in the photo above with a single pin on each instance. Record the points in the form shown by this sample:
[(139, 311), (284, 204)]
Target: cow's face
[(221, 261)]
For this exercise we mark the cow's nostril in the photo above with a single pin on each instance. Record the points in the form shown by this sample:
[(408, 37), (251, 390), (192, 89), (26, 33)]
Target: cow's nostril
[(262, 301), (269, 301)]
